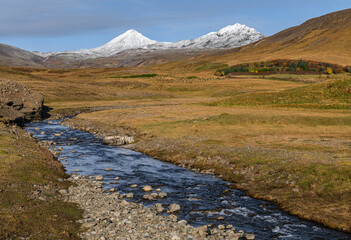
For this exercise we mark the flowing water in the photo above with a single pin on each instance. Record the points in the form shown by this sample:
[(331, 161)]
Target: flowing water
[(204, 199)]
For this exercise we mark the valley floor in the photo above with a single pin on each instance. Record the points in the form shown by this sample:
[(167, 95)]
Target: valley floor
[(285, 139)]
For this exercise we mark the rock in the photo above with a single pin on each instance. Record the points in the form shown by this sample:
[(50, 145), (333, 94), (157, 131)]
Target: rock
[(108, 169), (158, 208), (230, 227), (111, 189), (60, 149), (148, 197), (42, 133), (116, 178), (57, 134), (162, 195), (249, 236), (182, 222), (173, 208), (214, 231), (173, 217), (221, 227), (175, 237), (147, 188), (203, 228), (118, 140), (99, 178), (154, 195), (158, 190), (19, 104), (109, 216), (63, 191), (130, 195), (133, 186)]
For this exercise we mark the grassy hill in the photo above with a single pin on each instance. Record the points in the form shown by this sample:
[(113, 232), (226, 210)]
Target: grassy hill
[(324, 39)]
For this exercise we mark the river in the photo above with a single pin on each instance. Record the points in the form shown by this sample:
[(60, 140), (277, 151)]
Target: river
[(205, 199)]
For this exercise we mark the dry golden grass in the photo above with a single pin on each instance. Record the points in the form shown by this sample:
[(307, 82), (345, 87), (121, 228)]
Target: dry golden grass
[(297, 157)]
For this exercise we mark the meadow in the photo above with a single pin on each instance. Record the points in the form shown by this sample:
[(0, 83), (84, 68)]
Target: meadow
[(283, 138)]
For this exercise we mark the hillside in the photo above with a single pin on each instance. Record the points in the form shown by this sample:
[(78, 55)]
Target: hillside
[(12, 56), (326, 38)]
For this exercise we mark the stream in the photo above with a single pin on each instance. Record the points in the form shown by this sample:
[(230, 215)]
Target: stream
[(204, 199)]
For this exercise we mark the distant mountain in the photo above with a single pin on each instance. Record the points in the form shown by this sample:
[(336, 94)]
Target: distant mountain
[(12, 56), (131, 39), (232, 36), (229, 37), (326, 38)]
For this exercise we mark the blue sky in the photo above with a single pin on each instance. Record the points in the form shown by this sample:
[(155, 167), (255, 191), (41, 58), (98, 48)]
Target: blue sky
[(57, 25)]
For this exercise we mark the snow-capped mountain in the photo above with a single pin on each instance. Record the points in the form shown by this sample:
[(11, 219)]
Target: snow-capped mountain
[(229, 37), (131, 39), (236, 35)]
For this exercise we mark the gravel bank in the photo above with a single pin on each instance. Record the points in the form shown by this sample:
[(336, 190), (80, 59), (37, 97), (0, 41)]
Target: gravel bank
[(108, 216)]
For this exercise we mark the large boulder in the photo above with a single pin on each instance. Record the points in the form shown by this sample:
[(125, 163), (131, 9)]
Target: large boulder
[(18, 103)]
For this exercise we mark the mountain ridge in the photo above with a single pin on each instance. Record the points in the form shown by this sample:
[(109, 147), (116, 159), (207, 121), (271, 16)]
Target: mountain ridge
[(326, 39), (229, 37)]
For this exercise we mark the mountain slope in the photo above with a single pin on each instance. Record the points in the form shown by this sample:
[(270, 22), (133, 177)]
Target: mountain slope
[(326, 38), (12, 56), (128, 40), (228, 37)]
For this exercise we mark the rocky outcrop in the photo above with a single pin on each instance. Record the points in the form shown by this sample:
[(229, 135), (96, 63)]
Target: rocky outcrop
[(18, 103), (118, 140)]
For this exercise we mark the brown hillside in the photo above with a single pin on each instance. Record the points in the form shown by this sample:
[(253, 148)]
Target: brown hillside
[(13, 56), (326, 38)]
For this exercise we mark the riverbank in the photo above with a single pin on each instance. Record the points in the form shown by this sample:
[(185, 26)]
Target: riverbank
[(306, 182), (107, 215), (30, 185)]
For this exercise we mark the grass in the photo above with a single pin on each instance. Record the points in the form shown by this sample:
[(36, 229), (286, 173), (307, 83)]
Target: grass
[(329, 94), (284, 140), (26, 168), (138, 76), (210, 66)]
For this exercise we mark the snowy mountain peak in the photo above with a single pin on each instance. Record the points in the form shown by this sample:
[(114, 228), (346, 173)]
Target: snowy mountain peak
[(132, 36), (236, 28), (229, 37), (131, 39), (236, 35)]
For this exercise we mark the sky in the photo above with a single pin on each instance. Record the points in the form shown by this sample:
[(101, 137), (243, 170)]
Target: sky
[(66, 25)]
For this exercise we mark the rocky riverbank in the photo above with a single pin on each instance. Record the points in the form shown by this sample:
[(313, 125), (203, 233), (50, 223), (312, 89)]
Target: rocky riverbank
[(263, 173), (107, 215)]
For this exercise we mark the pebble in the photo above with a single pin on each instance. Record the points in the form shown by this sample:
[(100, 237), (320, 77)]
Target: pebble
[(173, 208), (154, 195), (109, 216), (108, 169), (148, 197), (133, 186), (147, 188), (162, 195), (99, 178)]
